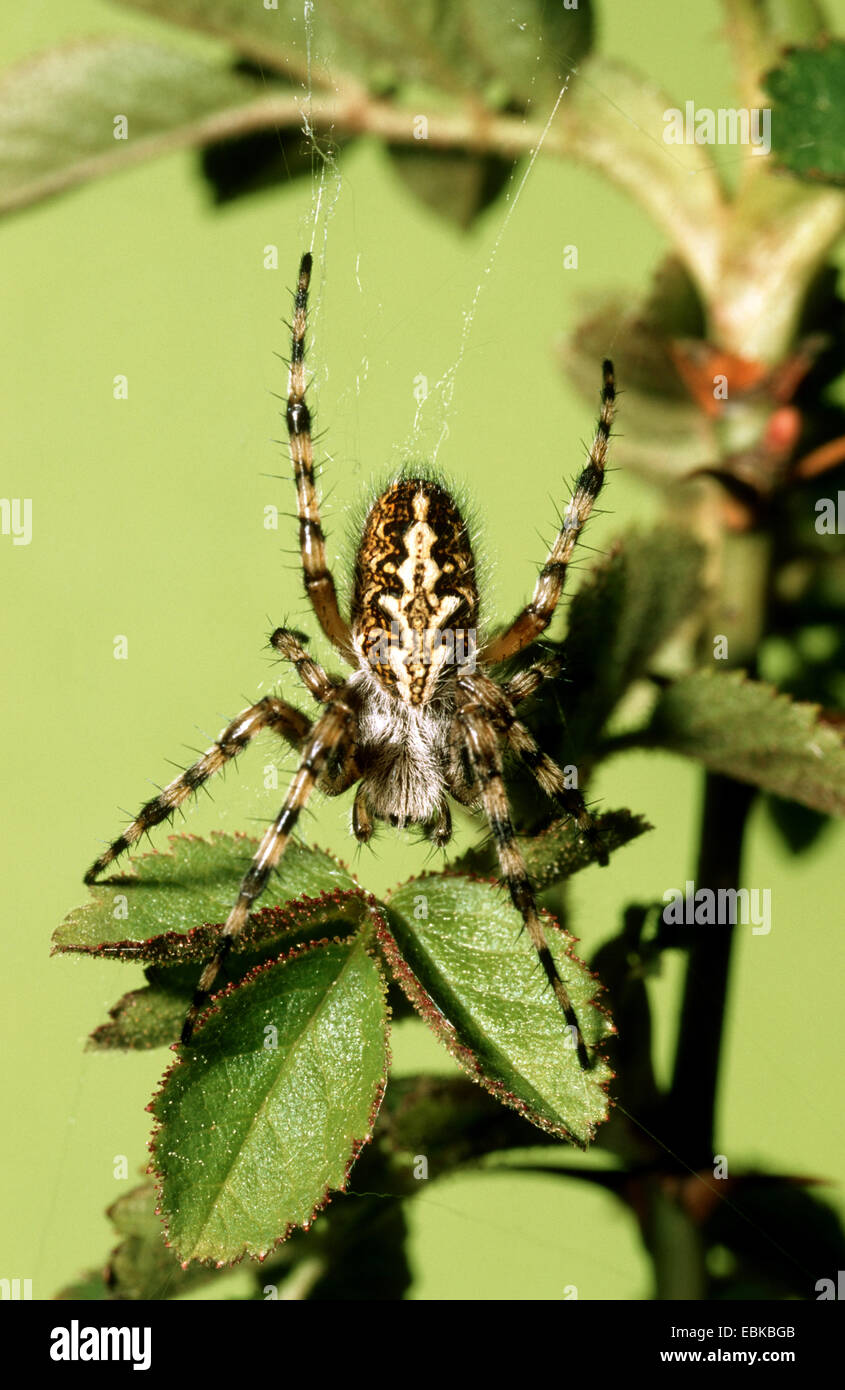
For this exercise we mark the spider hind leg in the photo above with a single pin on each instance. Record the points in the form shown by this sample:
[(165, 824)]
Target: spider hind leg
[(485, 760), (499, 706)]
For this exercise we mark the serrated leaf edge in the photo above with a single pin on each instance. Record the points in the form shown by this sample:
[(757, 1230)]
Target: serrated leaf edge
[(446, 1032), (357, 1145)]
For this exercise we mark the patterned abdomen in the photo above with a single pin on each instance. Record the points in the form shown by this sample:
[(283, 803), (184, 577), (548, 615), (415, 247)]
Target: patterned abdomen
[(415, 604)]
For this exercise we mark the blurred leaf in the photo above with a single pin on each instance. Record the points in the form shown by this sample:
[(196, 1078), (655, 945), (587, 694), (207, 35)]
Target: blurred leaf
[(142, 1266), (747, 730), (450, 1120), (790, 21), (665, 434), (468, 967), (262, 159), (808, 120), (635, 599), (622, 138), (642, 357), (456, 184), (89, 1286), (274, 38), (780, 1234), (363, 1254), (560, 850), (58, 112), (623, 965), (263, 1116), (464, 48), (798, 826), (155, 909)]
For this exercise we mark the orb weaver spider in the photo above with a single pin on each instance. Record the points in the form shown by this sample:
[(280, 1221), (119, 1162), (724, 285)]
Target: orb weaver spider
[(420, 719)]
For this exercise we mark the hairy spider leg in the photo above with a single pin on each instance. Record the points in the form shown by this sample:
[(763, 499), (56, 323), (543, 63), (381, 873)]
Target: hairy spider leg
[(269, 713), (333, 734), (527, 682), (319, 584), (545, 769), (536, 616), (486, 765), (289, 645)]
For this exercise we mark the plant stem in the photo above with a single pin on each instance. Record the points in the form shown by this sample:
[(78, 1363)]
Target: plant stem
[(692, 1100)]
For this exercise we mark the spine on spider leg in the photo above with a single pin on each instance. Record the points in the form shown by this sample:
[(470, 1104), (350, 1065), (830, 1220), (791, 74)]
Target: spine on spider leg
[(319, 584), (591, 478), (535, 618), (485, 766), (326, 737), (251, 888), (522, 897), (298, 419), (268, 854), (587, 489)]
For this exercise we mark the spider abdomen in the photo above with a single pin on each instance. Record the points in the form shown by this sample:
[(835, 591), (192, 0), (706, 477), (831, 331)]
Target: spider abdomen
[(415, 602)]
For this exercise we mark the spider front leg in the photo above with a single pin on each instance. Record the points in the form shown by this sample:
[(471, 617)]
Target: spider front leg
[(319, 584), (484, 761), (310, 672), (269, 713), (527, 682), (331, 740), (536, 616)]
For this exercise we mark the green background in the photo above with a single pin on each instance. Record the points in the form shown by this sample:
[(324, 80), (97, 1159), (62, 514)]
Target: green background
[(148, 522)]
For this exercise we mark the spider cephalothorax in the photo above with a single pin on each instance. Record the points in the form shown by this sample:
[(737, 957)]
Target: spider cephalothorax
[(420, 719)]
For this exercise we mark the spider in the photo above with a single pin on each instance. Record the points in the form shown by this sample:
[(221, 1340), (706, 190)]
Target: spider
[(420, 719)]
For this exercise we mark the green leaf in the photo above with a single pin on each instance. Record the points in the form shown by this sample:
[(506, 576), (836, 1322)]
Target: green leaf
[(58, 112), (264, 1115), (147, 912), (808, 120), (749, 731), (635, 599), (152, 1016), (459, 950), (560, 850)]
